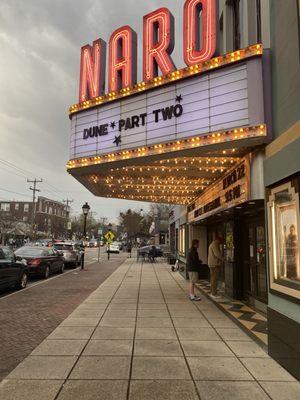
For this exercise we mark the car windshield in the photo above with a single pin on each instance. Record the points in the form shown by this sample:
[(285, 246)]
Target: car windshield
[(63, 246), (29, 252)]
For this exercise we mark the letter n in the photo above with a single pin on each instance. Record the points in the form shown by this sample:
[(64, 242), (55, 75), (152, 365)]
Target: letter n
[(193, 52), (158, 43), (92, 70), (122, 59)]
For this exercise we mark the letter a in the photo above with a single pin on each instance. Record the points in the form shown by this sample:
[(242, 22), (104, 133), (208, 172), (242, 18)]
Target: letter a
[(92, 70), (122, 59)]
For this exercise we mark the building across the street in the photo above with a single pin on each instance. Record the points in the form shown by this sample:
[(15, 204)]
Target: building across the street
[(51, 216), (217, 139)]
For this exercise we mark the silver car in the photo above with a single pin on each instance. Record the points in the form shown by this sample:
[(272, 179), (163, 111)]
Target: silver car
[(71, 252)]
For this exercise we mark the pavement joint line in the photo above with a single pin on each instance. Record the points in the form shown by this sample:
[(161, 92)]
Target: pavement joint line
[(242, 364), (179, 341), (88, 341), (134, 333)]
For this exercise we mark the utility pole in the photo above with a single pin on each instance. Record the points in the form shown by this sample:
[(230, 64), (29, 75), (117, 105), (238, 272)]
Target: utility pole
[(91, 213), (67, 202), (34, 190)]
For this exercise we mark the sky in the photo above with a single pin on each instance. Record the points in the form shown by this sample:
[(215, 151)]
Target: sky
[(40, 42)]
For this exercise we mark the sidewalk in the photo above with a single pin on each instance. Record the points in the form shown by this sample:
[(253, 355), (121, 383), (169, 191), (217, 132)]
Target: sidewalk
[(139, 337)]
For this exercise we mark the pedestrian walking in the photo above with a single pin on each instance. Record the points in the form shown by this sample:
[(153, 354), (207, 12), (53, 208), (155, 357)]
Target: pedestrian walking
[(215, 259), (152, 254), (129, 248), (82, 253), (193, 266)]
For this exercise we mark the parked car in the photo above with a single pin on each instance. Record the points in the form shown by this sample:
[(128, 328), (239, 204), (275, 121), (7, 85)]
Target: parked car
[(13, 272), (42, 261), (70, 252), (113, 248), (93, 243)]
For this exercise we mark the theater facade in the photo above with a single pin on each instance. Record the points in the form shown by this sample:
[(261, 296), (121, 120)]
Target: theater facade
[(203, 138), (191, 137)]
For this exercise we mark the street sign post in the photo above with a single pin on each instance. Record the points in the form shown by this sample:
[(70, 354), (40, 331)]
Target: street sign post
[(100, 232), (109, 236)]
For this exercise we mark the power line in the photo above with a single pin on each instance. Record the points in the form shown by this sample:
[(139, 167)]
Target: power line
[(10, 191), (11, 165), (25, 173)]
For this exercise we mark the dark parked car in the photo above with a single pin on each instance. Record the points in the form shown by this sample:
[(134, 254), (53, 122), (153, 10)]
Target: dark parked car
[(13, 273), (42, 261)]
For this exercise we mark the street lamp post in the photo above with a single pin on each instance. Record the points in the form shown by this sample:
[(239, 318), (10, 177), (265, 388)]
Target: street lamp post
[(85, 210)]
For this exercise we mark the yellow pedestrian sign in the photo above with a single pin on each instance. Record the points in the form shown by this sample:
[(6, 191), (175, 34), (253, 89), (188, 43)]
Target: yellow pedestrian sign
[(109, 236)]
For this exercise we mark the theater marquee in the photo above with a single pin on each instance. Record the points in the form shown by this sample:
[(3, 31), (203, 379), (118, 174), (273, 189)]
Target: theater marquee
[(213, 102), (150, 140)]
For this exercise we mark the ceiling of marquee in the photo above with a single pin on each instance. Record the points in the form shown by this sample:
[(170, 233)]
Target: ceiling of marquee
[(175, 180)]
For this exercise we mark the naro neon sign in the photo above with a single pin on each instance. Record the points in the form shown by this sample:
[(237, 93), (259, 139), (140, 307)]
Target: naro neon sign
[(158, 44)]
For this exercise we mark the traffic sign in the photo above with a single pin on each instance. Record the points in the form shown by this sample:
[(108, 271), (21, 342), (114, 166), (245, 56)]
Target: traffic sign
[(100, 231), (109, 236)]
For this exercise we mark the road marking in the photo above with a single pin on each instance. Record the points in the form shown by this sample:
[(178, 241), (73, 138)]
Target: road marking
[(44, 281)]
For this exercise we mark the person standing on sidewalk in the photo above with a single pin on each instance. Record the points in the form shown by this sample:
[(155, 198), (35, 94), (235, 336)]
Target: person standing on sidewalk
[(82, 254), (193, 265), (215, 259), (129, 248)]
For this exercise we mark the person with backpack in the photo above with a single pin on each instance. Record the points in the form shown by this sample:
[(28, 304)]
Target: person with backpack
[(193, 266)]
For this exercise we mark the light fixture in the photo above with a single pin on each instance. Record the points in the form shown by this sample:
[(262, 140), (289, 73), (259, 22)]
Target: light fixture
[(86, 208)]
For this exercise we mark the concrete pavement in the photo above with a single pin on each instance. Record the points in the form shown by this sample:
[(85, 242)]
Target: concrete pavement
[(139, 337), (27, 317)]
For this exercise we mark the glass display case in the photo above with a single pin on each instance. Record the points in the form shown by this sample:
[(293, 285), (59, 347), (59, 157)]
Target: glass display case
[(283, 217)]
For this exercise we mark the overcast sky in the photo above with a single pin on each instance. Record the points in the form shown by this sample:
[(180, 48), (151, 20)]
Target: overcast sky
[(40, 43)]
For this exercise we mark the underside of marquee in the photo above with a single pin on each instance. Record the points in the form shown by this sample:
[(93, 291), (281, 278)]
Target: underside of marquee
[(174, 178)]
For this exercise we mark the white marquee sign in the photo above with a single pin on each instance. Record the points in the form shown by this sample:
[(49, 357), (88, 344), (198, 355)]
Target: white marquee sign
[(217, 100)]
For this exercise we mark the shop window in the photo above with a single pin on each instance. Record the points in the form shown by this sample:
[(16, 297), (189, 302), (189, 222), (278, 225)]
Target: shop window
[(284, 224), (182, 240)]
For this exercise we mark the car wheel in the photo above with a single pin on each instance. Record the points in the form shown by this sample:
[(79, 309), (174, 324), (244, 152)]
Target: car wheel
[(23, 281), (62, 268), (47, 272)]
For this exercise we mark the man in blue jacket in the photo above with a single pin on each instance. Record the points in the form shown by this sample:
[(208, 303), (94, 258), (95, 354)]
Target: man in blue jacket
[(193, 265)]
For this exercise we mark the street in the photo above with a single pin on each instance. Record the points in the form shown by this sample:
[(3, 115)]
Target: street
[(28, 316)]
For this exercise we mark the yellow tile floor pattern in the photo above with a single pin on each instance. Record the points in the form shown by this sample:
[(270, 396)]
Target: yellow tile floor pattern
[(248, 317)]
